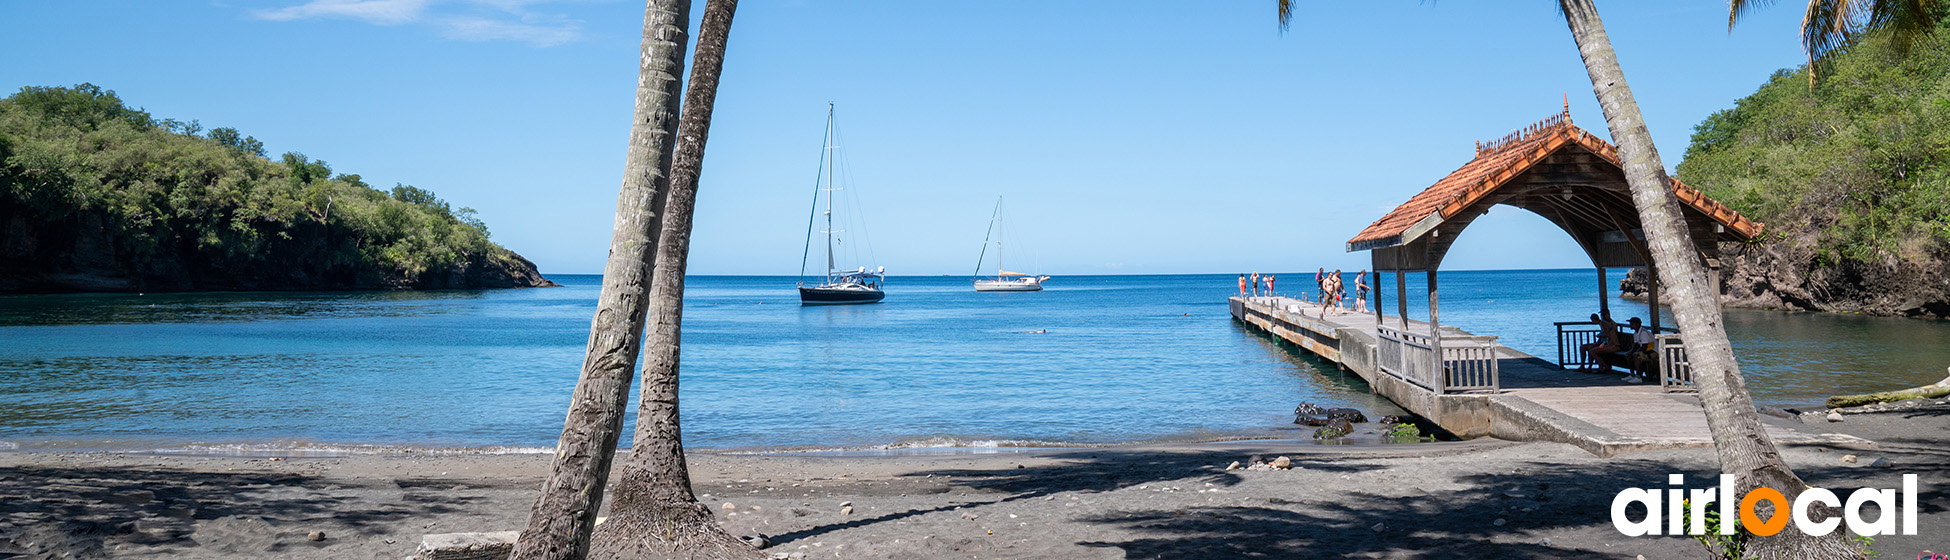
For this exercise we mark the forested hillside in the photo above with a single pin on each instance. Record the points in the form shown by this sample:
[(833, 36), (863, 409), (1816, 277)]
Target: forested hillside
[(97, 196), (1851, 176)]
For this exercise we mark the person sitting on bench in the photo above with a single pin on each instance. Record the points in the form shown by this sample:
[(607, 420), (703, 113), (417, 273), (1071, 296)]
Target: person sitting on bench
[(1641, 350), (1606, 344)]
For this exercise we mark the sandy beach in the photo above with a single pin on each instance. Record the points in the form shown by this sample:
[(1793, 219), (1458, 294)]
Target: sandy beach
[(1482, 498)]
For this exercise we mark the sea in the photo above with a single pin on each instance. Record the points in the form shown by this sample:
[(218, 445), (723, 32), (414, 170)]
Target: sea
[(1091, 360)]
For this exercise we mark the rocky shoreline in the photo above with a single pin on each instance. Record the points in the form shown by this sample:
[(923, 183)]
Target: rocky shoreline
[(1784, 276)]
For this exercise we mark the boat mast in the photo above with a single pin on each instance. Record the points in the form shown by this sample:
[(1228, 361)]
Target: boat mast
[(830, 172), (999, 233)]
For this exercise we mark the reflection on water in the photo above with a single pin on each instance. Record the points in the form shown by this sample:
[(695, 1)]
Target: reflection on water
[(1118, 359), (1803, 358)]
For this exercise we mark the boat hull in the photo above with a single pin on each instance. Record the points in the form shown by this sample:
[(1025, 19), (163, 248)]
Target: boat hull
[(837, 296), (1007, 287)]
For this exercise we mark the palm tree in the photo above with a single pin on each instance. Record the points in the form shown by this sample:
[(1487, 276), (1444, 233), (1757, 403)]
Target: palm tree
[(655, 514), (564, 515), (1743, 446), (1828, 24)]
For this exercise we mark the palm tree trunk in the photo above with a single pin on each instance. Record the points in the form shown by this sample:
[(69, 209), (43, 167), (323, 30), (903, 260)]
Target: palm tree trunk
[(655, 515), (564, 515), (1745, 450)]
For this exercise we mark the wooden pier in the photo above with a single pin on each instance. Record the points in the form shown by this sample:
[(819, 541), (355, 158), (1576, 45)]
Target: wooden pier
[(1525, 398)]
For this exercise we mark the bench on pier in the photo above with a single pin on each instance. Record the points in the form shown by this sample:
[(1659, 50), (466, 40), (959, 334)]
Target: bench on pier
[(1669, 362)]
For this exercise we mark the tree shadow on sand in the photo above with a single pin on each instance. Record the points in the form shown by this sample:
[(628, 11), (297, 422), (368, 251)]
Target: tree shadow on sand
[(80, 512), (1545, 498)]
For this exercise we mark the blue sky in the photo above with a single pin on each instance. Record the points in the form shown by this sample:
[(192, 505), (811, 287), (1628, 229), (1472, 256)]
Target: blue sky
[(1128, 136)]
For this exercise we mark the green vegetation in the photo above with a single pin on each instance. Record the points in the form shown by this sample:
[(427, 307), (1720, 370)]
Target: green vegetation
[(1856, 166), (172, 205)]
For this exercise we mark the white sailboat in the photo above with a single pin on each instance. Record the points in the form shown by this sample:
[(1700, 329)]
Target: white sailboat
[(1004, 280)]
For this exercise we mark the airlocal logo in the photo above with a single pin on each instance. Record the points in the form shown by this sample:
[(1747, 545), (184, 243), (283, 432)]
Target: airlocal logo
[(1678, 499)]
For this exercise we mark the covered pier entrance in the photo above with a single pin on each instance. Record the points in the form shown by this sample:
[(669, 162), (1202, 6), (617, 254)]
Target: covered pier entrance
[(1571, 178), (1468, 383)]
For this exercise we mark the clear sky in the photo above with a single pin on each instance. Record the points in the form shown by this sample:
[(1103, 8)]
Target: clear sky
[(1127, 136)]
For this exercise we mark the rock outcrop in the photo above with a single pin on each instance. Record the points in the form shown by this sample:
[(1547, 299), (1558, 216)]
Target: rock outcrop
[(1784, 274)]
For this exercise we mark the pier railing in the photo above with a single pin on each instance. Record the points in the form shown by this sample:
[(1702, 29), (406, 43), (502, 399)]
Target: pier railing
[(1468, 363), (1573, 335), (1675, 372)]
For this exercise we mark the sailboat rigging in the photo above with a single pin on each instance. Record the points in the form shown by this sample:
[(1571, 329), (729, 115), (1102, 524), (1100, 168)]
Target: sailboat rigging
[(836, 287)]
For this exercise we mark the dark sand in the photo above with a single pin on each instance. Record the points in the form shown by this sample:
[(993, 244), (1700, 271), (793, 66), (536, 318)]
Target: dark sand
[(1174, 501)]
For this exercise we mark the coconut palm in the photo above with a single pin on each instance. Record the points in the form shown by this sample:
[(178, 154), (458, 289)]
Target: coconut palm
[(654, 513), (1828, 24), (560, 523), (1744, 448)]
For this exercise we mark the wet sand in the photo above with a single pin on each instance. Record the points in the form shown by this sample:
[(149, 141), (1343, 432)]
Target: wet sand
[(1483, 498)]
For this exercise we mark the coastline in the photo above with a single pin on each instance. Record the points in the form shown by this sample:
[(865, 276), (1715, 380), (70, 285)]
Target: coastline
[(1144, 500)]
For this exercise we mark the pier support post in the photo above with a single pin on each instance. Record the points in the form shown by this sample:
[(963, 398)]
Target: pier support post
[(1652, 293), (1376, 286), (1401, 294), (1435, 338), (1604, 294)]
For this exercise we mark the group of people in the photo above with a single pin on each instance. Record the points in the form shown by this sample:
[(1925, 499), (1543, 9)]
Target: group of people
[(1332, 291), (1256, 281), (1635, 348)]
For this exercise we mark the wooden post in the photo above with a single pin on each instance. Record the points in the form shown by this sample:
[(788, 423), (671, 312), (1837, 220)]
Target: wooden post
[(1652, 293), (1604, 294), (1374, 284), (1401, 293), (1435, 337), (1713, 284)]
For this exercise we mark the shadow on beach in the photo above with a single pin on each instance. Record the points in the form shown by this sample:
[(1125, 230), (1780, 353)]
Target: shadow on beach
[(86, 512)]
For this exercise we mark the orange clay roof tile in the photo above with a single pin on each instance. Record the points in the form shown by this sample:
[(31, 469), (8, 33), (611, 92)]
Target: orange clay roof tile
[(1500, 161)]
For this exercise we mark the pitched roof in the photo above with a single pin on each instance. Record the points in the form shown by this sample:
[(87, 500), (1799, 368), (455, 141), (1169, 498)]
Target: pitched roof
[(1500, 161)]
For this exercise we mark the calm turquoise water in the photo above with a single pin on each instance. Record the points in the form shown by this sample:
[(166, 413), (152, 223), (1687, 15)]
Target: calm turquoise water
[(1125, 358)]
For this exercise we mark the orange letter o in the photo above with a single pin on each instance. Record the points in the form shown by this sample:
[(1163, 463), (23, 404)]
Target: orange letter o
[(1752, 520)]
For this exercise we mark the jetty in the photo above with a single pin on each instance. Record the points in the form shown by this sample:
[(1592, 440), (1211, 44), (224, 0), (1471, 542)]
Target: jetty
[(1470, 385)]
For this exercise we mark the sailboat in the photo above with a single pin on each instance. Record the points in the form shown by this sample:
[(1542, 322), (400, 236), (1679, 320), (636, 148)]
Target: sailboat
[(1004, 280), (836, 287)]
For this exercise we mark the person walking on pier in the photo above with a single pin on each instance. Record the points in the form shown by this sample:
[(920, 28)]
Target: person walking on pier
[(1361, 291), (1242, 284), (1269, 285), (1321, 281), (1332, 297)]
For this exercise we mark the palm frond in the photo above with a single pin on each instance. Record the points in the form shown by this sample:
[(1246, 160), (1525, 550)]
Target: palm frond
[(1827, 25), (1908, 20), (1286, 14)]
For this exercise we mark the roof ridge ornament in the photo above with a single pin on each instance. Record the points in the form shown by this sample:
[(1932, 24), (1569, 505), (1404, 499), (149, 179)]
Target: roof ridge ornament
[(1561, 120)]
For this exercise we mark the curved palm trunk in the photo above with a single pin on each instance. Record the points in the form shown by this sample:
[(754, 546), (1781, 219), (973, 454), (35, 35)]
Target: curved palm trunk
[(1744, 448), (565, 513), (654, 514)]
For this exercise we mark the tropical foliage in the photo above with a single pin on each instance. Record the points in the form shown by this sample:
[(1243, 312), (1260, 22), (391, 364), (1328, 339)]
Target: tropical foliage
[(1859, 164), (169, 199)]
